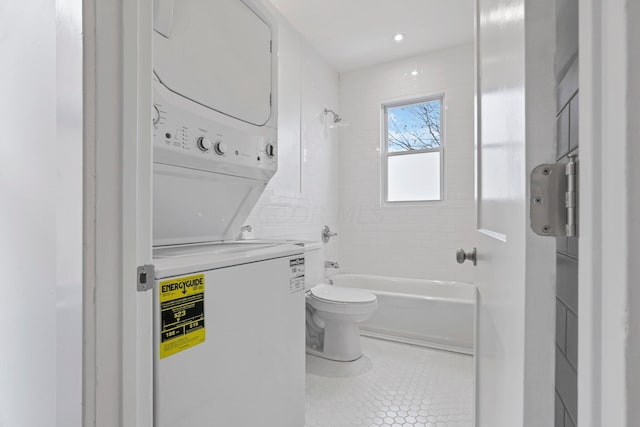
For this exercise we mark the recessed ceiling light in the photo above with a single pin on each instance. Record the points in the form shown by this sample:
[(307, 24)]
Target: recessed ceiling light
[(398, 37), (414, 73)]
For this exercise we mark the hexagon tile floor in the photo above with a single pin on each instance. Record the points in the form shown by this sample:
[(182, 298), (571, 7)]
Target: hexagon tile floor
[(391, 385)]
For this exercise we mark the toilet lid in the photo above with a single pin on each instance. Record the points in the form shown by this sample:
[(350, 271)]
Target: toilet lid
[(344, 295)]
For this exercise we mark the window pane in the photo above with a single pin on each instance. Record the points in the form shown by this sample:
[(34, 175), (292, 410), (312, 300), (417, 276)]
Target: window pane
[(413, 177), (415, 126)]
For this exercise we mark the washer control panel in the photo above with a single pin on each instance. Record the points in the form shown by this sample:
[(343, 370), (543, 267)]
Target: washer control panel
[(188, 140)]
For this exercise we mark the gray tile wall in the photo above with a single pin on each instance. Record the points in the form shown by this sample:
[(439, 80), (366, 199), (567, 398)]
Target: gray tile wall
[(567, 34), (566, 369), (566, 396)]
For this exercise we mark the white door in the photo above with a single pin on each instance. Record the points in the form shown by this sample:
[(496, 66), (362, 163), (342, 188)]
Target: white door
[(515, 268), (499, 274)]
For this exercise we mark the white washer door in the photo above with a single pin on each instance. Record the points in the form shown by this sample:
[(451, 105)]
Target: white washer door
[(249, 371), (217, 54)]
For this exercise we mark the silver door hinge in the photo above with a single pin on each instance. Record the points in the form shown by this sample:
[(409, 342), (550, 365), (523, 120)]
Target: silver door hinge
[(146, 275), (554, 199)]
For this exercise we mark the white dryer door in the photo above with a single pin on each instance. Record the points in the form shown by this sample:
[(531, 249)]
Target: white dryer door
[(217, 54)]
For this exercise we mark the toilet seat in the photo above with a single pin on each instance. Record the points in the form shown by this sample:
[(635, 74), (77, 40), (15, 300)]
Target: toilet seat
[(337, 300), (342, 295)]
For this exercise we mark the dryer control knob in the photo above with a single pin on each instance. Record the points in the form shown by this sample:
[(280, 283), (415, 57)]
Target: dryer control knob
[(220, 148), (203, 144), (271, 150)]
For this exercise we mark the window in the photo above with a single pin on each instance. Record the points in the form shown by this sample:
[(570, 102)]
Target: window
[(413, 151)]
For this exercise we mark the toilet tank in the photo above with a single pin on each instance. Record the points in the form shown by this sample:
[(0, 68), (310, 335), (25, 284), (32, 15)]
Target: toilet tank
[(314, 264)]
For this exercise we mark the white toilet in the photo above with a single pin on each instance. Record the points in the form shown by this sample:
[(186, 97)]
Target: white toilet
[(333, 313)]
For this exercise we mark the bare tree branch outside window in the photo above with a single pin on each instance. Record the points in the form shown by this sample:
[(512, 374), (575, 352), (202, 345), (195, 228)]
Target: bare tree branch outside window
[(414, 127)]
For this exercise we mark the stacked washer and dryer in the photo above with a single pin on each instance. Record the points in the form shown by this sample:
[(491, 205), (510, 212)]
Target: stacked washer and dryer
[(228, 315)]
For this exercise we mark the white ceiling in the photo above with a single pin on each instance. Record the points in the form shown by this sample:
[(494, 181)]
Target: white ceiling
[(352, 34)]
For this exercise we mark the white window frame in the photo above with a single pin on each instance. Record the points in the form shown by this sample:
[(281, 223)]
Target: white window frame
[(385, 153)]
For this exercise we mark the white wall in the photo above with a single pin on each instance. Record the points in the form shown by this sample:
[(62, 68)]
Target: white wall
[(40, 247), (633, 158), (417, 242), (303, 194), (69, 212)]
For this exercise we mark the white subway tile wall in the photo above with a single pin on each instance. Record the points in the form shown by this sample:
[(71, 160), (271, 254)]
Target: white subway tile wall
[(303, 195), (407, 241)]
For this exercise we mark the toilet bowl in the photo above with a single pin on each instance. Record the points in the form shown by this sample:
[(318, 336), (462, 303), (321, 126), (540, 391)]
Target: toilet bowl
[(333, 314)]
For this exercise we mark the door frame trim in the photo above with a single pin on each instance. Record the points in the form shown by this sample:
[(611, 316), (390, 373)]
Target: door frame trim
[(607, 208), (117, 320)]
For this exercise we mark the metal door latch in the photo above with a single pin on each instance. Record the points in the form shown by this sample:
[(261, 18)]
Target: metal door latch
[(553, 203), (146, 275)]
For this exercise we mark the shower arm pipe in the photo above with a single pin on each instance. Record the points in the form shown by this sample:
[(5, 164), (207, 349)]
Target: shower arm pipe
[(336, 116)]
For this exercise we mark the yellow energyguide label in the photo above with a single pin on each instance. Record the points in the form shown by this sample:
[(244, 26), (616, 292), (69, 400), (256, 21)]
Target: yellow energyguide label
[(181, 314)]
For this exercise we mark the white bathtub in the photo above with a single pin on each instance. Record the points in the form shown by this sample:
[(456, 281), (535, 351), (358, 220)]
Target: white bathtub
[(422, 312)]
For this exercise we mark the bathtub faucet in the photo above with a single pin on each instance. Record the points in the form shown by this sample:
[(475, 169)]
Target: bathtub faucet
[(331, 264), (327, 234)]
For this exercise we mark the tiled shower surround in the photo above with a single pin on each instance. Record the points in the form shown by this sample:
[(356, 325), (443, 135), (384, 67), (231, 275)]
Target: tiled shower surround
[(415, 241), (332, 175)]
